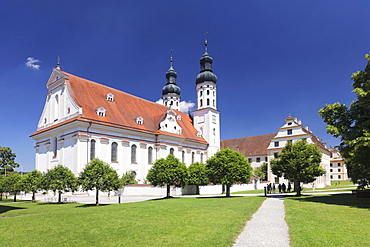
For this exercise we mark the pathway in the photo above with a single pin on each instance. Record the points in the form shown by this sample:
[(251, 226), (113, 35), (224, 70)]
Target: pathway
[(267, 226)]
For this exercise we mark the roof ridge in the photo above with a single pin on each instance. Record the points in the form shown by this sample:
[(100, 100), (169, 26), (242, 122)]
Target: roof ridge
[(248, 137)]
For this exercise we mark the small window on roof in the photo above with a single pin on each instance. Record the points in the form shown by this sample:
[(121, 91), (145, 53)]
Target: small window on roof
[(101, 111), (110, 97), (178, 117), (139, 120)]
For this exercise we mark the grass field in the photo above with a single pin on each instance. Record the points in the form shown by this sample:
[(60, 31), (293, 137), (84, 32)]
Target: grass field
[(170, 222), (328, 220)]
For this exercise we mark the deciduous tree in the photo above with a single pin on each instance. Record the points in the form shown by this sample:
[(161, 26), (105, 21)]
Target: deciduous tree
[(352, 125), (228, 167), (7, 160), (169, 171), (12, 183), (99, 176), (60, 179), (32, 182), (197, 175), (299, 162)]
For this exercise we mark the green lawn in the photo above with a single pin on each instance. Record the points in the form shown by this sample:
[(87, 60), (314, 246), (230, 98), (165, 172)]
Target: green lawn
[(328, 220), (170, 222), (249, 192)]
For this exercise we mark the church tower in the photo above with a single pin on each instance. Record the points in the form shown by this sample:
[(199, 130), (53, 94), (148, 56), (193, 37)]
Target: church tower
[(171, 92), (207, 117)]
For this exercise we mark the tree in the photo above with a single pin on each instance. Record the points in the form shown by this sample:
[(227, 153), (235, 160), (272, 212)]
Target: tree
[(99, 176), (60, 179), (351, 124), (228, 167), (197, 175), (12, 183), (299, 162), (261, 172), (7, 160), (32, 182), (169, 171), (2, 186), (128, 178)]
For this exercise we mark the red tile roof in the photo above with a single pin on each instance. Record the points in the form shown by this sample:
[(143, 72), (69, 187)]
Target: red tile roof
[(123, 111), (249, 146)]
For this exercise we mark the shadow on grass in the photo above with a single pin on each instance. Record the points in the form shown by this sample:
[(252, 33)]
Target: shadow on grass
[(164, 198), (219, 197), (337, 199), (4, 209), (92, 205)]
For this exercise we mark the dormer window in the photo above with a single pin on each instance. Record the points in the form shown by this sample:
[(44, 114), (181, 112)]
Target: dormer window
[(290, 123), (101, 111), (110, 97), (178, 117), (139, 120)]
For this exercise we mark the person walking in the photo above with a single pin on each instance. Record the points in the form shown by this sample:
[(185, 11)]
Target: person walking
[(289, 187), (279, 187), (283, 187), (273, 188)]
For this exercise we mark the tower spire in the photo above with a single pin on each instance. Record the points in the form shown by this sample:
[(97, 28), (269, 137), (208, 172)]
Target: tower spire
[(171, 92), (206, 42), (58, 63)]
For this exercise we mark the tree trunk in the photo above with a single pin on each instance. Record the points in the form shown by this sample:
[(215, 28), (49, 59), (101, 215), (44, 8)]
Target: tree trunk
[(59, 196), (227, 190), (197, 189), (297, 187), (15, 196), (168, 191), (33, 196), (1, 196), (97, 197)]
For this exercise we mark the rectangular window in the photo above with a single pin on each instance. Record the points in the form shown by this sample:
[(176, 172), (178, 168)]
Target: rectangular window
[(331, 164), (331, 170), (339, 170), (250, 160), (258, 159), (276, 144), (266, 159), (339, 164), (339, 177), (289, 132), (275, 155)]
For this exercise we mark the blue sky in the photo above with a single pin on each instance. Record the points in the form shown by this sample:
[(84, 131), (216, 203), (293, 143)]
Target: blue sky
[(272, 58)]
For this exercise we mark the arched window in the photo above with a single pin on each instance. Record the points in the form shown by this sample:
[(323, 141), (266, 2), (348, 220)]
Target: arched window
[(200, 93), (183, 157), (214, 103), (171, 151), (207, 101), (201, 158), (56, 108), (207, 92), (201, 102), (92, 149), (55, 146), (114, 152), (133, 153), (192, 157), (150, 155)]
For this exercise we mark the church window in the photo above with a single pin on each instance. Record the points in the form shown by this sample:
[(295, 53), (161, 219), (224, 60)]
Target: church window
[(56, 108), (139, 120), (331, 164), (331, 176), (150, 155), (339, 164), (289, 132), (266, 159), (114, 152), (201, 102), (214, 131), (192, 157), (331, 170), (214, 103), (68, 110), (207, 101), (200, 93), (258, 159), (101, 111), (250, 160), (171, 150), (207, 92), (177, 103), (183, 157), (178, 117), (339, 176), (110, 97), (165, 103), (45, 120), (290, 123), (201, 158), (133, 153), (55, 147), (276, 144), (339, 170), (275, 155), (92, 149), (214, 93)]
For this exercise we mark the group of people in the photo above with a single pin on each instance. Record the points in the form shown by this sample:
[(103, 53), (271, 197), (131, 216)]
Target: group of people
[(281, 187)]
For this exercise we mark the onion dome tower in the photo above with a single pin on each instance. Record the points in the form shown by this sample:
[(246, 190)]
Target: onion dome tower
[(206, 82), (171, 92), (207, 117)]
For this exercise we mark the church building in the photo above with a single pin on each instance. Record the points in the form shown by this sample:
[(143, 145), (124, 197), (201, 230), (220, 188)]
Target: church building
[(83, 120)]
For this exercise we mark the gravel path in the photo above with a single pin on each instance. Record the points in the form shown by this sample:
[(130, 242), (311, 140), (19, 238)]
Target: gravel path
[(267, 226)]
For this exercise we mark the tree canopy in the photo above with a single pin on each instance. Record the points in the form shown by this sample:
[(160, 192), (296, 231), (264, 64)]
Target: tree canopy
[(352, 125), (99, 176), (169, 171), (61, 179), (197, 175), (12, 183), (299, 162), (228, 167), (32, 182), (7, 160)]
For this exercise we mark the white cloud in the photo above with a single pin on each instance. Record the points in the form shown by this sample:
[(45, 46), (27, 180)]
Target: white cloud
[(31, 62), (184, 106)]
